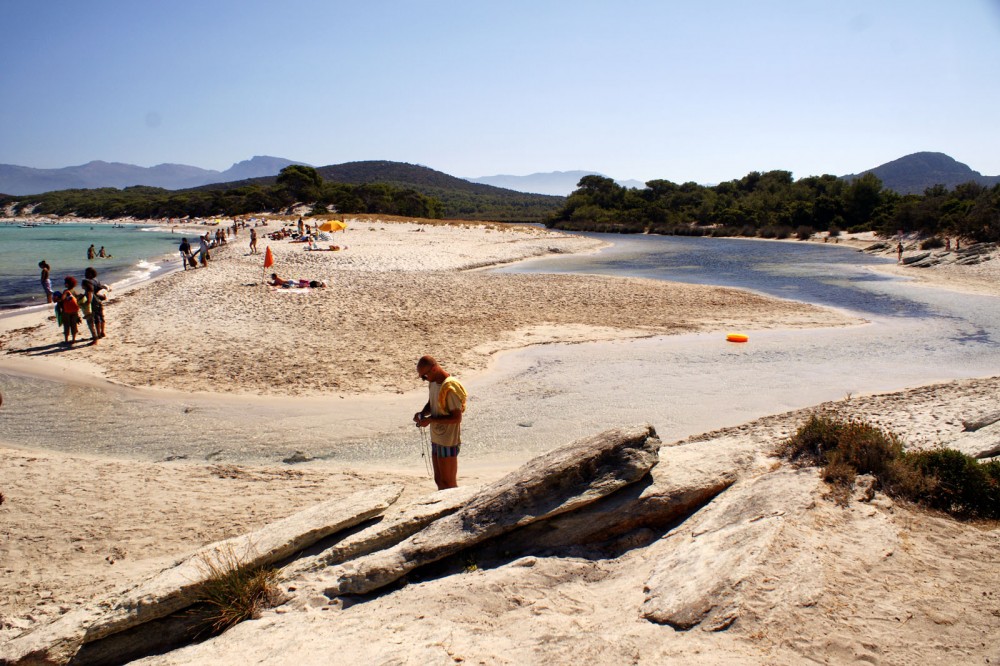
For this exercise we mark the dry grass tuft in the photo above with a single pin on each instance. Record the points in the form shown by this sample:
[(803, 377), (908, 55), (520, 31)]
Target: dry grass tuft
[(235, 592)]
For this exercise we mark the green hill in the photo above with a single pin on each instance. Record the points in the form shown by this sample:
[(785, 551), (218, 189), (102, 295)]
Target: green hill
[(915, 173), (461, 199)]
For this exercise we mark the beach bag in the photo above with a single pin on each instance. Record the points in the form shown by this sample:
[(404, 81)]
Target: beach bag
[(193, 261), (70, 305)]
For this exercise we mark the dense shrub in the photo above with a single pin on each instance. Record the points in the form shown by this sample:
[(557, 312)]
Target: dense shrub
[(962, 484), (932, 243), (942, 479)]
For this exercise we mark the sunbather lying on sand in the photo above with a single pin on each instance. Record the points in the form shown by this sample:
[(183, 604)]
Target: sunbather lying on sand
[(292, 284)]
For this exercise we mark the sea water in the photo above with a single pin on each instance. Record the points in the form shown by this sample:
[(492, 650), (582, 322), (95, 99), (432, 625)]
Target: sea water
[(137, 253)]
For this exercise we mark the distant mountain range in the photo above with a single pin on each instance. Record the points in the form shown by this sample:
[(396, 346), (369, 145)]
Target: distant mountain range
[(915, 173), (907, 175), (19, 180), (557, 183)]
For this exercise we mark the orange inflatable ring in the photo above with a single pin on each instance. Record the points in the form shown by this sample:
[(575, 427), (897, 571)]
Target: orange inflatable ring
[(737, 337)]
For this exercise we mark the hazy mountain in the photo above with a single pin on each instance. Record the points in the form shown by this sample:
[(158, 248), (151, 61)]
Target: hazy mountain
[(26, 180), (557, 183), (915, 173)]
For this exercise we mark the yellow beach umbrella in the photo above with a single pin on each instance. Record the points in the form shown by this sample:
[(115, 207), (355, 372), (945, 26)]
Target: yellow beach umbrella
[(333, 225)]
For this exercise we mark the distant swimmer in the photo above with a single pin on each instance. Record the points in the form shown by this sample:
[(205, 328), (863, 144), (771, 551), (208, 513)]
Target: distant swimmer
[(90, 253), (102, 254)]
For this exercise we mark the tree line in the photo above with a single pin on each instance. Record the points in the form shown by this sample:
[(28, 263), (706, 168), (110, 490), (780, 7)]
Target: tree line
[(295, 184), (773, 205)]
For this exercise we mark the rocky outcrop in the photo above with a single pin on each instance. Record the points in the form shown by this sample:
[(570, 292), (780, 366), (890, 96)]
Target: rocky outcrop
[(550, 485), (178, 587), (981, 421), (686, 478), (983, 442), (393, 528), (704, 564)]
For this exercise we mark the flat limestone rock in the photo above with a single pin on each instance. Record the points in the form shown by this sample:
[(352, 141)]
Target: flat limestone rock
[(981, 421), (983, 442), (687, 477), (178, 587), (555, 483), (395, 527), (703, 564)]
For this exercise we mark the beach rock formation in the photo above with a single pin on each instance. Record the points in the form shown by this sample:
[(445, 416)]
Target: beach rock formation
[(703, 564), (686, 478), (552, 484), (178, 587), (983, 442), (393, 528), (976, 422)]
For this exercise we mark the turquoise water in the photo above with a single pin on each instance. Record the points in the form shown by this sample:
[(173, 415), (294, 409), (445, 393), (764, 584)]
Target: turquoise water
[(137, 252)]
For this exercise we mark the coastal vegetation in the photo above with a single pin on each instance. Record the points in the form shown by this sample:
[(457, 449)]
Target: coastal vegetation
[(773, 205), (387, 188), (295, 184), (942, 479), (766, 205)]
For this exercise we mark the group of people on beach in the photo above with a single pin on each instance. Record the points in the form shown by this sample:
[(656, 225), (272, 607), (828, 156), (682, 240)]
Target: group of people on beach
[(98, 254), (205, 243), (71, 306)]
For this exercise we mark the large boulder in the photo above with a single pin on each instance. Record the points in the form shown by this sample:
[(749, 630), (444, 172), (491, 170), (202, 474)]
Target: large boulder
[(178, 587), (555, 483)]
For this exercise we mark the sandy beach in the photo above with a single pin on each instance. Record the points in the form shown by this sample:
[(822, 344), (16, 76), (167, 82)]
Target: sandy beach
[(891, 583), (398, 290)]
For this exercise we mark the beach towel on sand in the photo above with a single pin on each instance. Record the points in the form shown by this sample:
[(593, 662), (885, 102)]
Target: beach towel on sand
[(451, 384)]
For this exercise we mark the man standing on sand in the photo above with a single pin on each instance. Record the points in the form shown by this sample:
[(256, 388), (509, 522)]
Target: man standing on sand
[(443, 413)]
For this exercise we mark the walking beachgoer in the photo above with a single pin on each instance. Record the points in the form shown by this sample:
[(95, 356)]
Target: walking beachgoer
[(203, 250), (70, 307), (86, 302), (96, 300), (185, 249), (90, 252), (253, 241), (443, 413), (46, 281), (899, 252)]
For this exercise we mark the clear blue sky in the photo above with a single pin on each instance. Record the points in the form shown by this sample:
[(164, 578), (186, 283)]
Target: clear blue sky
[(701, 90)]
